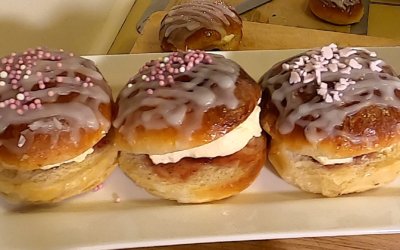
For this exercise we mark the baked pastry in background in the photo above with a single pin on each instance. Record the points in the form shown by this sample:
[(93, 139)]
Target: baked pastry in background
[(342, 12), (201, 24), (188, 128), (333, 115), (55, 112)]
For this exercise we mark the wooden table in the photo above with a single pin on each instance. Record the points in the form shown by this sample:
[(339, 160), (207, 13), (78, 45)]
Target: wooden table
[(148, 43), (366, 242)]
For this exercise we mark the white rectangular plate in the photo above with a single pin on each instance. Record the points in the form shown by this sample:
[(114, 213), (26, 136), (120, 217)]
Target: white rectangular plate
[(270, 208)]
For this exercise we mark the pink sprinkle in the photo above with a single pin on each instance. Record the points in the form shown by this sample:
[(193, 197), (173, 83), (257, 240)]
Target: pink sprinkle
[(77, 78), (38, 106), (152, 78), (4, 60), (37, 101), (20, 111), (59, 79), (48, 68), (39, 73), (88, 79), (90, 84), (25, 107), (150, 91), (59, 65), (42, 86), (14, 87), (32, 106), (10, 60), (162, 83), (50, 93), (47, 54), (2, 104), (13, 106), (46, 79), (85, 84), (71, 54)]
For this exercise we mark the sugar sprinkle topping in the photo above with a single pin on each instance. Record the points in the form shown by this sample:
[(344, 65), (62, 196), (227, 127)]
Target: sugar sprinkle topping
[(166, 68), (307, 69)]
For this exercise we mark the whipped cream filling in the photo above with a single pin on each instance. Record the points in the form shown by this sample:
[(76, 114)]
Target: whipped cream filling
[(78, 159), (228, 38), (328, 161), (228, 144)]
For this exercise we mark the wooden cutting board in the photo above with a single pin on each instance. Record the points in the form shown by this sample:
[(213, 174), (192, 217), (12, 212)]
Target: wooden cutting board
[(268, 36)]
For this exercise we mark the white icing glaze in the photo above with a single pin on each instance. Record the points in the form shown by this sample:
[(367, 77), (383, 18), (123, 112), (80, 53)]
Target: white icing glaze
[(192, 89), (185, 19), (343, 4), (78, 159), (31, 85), (320, 105)]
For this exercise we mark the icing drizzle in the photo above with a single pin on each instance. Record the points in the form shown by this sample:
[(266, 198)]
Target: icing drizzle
[(185, 19), (317, 90), (343, 4), (176, 90), (32, 85)]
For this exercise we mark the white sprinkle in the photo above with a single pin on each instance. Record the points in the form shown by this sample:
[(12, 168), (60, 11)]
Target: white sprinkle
[(346, 70), (309, 78), (346, 52), (21, 141), (166, 59), (354, 64), (300, 62), (333, 67), (130, 85), (323, 85), (328, 99), (318, 75), (322, 92), (3, 74), (374, 66), (26, 77), (182, 69), (144, 77), (336, 96), (23, 67), (340, 86), (285, 66), (20, 96), (28, 72), (334, 60), (2, 83), (294, 77), (327, 52)]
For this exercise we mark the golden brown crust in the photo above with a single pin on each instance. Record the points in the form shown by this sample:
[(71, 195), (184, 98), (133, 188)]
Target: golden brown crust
[(333, 14), (198, 180), (216, 123), (364, 173), (40, 154), (207, 39), (56, 184)]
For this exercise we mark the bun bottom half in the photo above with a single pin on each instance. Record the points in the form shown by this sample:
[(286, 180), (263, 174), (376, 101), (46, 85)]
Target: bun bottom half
[(364, 173), (197, 180), (59, 183)]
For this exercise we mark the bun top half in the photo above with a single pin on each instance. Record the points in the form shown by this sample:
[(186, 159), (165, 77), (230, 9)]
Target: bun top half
[(336, 102), (181, 101), (53, 107)]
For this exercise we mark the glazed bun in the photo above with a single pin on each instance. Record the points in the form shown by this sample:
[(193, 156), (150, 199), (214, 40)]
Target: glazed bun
[(176, 121), (55, 108), (201, 24), (333, 115), (342, 12)]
